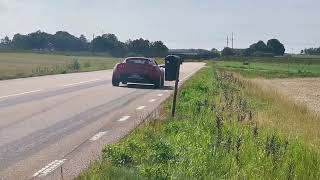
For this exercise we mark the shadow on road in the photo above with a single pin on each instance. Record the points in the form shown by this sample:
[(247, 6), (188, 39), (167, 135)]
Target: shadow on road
[(145, 86)]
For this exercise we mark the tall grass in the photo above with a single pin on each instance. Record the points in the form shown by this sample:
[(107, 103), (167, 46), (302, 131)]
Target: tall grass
[(274, 110), (214, 136)]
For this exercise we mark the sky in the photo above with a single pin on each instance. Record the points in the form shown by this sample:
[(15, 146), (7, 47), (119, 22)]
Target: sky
[(178, 23)]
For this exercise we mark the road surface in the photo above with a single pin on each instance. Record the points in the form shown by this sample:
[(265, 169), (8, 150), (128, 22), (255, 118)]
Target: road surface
[(55, 126)]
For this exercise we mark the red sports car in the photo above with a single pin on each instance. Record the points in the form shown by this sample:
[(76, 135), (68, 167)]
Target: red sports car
[(138, 70)]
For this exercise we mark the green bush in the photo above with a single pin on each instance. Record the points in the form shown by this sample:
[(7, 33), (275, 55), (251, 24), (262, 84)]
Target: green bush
[(87, 64), (75, 65)]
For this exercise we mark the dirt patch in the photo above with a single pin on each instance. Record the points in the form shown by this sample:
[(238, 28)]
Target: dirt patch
[(301, 90)]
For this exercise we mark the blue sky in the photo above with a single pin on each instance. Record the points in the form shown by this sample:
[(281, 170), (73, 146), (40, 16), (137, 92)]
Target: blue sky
[(180, 24)]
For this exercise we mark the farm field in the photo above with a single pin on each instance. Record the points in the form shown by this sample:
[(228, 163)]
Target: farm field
[(19, 65), (302, 90), (294, 84), (272, 69), (296, 59)]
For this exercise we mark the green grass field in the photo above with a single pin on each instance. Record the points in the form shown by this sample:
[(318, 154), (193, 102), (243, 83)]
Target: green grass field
[(273, 67), (273, 70), (216, 135), (18, 65), (298, 59)]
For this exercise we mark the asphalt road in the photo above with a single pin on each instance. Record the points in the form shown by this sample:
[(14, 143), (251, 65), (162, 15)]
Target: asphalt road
[(53, 127)]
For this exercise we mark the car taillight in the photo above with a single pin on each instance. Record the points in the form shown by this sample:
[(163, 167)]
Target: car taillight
[(121, 66)]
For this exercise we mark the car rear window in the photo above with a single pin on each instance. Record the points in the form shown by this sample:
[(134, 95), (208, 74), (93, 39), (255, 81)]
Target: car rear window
[(138, 61)]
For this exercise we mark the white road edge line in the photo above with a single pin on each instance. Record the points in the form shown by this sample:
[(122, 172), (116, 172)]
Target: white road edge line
[(19, 94), (141, 107), (160, 95), (124, 118), (49, 168), (98, 136), (83, 82), (152, 100), (185, 78)]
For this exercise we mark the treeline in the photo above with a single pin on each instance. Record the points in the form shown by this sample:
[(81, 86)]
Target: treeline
[(196, 53), (311, 51), (63, 41), (273, 48)]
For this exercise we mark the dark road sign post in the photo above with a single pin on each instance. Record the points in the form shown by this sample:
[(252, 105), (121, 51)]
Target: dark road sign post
[(176, 86), (172, 74)]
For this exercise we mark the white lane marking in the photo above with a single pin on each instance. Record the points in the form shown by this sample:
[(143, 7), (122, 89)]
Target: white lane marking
[(98, 136), (49, 168), (141, 107), (19, 94), (124, 118), (166, 90), (83, 82), (185, 78), (160, 95), (152, 100)]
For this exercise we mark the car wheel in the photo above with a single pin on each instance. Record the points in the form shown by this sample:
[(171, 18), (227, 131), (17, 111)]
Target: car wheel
[(157, 84), (162, 82), (115, 82)]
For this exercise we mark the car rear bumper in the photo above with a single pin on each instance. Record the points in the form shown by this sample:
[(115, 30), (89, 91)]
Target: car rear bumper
[(139, 79)]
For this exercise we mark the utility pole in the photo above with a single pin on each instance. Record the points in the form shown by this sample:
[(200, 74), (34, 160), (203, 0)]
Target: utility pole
[(92, 49), (227, 41), (232, 40)]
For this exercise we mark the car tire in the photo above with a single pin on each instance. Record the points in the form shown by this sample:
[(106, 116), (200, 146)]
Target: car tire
[(157, 84), (162, 82), (115, 82)]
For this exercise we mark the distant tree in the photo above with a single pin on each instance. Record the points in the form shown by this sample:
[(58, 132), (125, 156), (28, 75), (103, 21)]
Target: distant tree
[(39, 40), (6, 40), (21, 42), (302, 51), (227, 52), (109, 43), (158, 49), (312, 51), (259, 46), (84, 43), (83, 38), (214, 50), (276, 47), (63, 41), (120, 50), (139, 46), (247, 52), (5, 43), (105, 43)]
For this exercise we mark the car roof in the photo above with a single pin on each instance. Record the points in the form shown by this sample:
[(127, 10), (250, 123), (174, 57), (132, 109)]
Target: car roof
[(144, 58), (138, 58)]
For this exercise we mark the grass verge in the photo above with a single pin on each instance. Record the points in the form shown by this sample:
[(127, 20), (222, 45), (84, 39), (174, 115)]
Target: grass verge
[(214, 136)]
